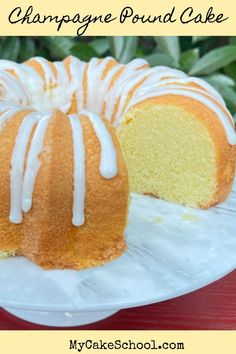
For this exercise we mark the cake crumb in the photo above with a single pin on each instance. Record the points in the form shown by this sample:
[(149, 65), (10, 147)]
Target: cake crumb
[(189, 217), (157, 220), (6, 254)]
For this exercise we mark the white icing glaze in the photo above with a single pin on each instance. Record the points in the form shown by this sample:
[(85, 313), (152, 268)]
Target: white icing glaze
[(127, 81), (104, 87), (17, 166), (149, 76), (172, 84), (49, 76), (77, 69), (31, 79), (78, 218), (62, 77), (7, 115), (61, 91), (137, 64), (94, 73), (220, 113), (33, 163), (108, 162), (23, 88), (118, 89), (203, 84), (13, 91), (96, 86), (24, 72), (201, 92)]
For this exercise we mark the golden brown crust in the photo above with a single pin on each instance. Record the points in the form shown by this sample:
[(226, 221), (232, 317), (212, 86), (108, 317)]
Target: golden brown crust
[(46, 235), (10, 234)]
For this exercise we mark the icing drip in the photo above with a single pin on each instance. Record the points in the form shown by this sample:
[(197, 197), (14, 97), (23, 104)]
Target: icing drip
[(204, 85), (77, 69), (79, 171), (61, 92), (8, 114), (12, 89), (137, 64), (96, 86), (104, 87), (200, 92), (93, 79), (21, 85), (24, 73), (62, 77), (108, 162), (143, 78), (48, 73), (116, 91), (33, 163), (127, 82), (135, 81), (17, 166)]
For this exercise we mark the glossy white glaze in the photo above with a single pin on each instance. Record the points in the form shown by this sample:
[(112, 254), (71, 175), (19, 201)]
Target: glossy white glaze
[(194, 80), (79, 192), (220, 113), (108, 162), (22, 87), (11, 89), (138, 82), (7, 115), (33, 162), (77, 71), (49, 76), (17, 166)]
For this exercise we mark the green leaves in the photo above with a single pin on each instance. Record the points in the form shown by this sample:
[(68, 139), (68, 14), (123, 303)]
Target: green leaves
[(220, 81), (100, 45), (59, 46), (214, 60), (226, 86), (188, 59), (197, 39), (10, 48), (27, 49), (169, 45), (160, 59), (230, 70), (123, 48), (83, 51)]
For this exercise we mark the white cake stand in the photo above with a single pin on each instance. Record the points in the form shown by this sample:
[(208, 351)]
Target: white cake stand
[(172, 250)]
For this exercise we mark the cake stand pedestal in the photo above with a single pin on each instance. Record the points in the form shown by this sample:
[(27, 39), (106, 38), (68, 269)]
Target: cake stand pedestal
[(172, 250), (61, 319)]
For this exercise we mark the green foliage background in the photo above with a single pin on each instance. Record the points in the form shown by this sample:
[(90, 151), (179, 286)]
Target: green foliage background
[(211, 58)]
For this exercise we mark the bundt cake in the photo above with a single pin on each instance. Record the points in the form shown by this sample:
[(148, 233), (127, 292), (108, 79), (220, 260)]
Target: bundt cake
[(63, 188), (63, 181)]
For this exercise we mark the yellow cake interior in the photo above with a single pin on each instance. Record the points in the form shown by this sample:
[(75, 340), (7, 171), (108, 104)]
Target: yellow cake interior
[(172, 157), (64, 129)]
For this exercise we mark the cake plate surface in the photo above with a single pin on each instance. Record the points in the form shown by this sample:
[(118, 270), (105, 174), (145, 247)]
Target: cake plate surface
[(172, 250)]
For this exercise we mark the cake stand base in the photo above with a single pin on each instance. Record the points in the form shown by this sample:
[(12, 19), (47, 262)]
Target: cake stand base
[(61, 319)]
